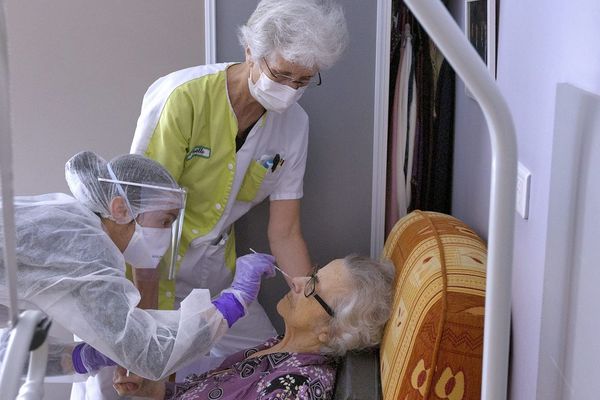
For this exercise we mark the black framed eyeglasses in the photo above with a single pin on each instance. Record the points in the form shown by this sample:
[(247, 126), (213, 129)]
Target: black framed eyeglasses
[(313, 81), (309, 290)]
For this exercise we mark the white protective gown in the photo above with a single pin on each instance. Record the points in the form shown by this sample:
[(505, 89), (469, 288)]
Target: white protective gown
[(69, 268)]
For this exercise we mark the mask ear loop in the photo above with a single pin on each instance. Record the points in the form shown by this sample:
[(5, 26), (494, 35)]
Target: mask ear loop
[(176, 228), (119, 188)]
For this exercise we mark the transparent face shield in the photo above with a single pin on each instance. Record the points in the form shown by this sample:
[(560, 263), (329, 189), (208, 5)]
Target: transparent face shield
[(176, 230), (176, 227)]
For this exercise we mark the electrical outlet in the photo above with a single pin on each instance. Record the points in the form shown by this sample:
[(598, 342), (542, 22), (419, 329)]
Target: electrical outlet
[(523, 188)]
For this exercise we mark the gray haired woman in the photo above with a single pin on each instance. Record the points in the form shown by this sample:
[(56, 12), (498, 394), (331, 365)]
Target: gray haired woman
[(233, 134), (343, 306)]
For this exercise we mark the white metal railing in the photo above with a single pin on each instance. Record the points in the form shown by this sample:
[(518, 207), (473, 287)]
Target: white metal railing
[(6, 177), (23, 326), (380, 125), (17, 352), (449, 38)]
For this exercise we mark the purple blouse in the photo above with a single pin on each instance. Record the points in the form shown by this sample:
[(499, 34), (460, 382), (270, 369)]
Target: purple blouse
[(272, 376)]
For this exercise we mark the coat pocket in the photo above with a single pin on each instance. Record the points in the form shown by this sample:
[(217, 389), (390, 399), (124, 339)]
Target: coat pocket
[(252, 181)]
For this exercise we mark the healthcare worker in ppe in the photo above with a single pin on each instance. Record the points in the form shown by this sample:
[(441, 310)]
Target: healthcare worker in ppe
[(71, 255), (233, 134)]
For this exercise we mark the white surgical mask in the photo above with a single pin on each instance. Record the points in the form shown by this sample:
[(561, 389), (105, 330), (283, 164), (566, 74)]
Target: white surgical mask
[(151, 238), (273, 96), (147, 246)]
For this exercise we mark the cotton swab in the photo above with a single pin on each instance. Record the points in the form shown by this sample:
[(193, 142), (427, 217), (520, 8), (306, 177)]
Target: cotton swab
[(276, 267)]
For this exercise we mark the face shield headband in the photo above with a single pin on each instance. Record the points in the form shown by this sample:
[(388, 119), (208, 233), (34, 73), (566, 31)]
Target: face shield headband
[(176, 227)]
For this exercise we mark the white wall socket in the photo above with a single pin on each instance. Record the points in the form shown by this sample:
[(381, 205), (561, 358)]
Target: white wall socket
[(523, 188)]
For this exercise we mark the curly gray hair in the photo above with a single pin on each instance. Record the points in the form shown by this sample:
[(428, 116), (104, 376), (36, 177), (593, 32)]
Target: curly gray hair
[(311, 33), (361, 314)]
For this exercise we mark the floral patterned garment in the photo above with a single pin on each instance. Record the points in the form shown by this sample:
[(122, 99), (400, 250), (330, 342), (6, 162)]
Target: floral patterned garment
[(303, 376)]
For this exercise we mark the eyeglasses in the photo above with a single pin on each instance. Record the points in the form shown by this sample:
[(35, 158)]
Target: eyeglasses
[(313, 81), (309, 290)]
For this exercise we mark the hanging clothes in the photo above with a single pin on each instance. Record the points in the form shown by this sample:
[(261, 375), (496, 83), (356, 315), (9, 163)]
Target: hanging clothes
[(411, 135), (391, 212), (439, 191), (401, 123), (424, 131), (421, 121)]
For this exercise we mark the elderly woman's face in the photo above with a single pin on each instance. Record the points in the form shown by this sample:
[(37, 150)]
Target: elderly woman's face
[(303, 312)]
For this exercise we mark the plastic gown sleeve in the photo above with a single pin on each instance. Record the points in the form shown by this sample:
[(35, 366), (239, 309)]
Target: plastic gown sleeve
[(70, 269), (152, 344)]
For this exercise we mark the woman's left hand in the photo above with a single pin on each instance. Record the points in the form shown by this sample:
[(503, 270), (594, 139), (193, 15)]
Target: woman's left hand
[(134, 385)]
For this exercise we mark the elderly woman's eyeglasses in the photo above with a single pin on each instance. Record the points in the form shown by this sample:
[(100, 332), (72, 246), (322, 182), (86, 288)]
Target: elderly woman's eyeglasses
[(313, 81), (309, 290)]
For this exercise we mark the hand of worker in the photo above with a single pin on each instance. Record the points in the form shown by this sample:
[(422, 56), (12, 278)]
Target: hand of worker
[(87, 359), (249, 270)]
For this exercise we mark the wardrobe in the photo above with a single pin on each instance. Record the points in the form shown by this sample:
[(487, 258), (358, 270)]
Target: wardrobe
[(420, 139)]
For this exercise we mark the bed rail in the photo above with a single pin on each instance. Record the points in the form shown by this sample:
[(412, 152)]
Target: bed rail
[(449, 38)]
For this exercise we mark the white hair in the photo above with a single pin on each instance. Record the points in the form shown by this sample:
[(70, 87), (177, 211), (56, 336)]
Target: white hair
[(311, 33), (361, 314)]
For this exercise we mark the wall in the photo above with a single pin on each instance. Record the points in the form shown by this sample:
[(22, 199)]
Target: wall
[(568, 349), (336, 208), (78, 71), (540, 44)]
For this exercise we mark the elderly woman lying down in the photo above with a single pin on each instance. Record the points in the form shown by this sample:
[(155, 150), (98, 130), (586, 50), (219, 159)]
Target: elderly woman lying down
[(342, 306)]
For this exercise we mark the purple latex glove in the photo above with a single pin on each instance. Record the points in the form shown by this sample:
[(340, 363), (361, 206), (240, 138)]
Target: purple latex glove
[(229, 306), (249, 270), (88, 359)]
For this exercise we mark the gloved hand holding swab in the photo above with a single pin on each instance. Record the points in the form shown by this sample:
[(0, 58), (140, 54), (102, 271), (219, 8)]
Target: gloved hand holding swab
[(276, 267)]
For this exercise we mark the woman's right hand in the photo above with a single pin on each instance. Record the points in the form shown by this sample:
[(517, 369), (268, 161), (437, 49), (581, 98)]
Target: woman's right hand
[(134, 385)]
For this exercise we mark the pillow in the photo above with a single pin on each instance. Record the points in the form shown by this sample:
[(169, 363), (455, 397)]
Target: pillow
[(433, 343)]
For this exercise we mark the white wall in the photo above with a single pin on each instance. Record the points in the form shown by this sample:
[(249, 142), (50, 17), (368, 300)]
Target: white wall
[(541, 43), (78, 71), (471, 147), (568, 349)]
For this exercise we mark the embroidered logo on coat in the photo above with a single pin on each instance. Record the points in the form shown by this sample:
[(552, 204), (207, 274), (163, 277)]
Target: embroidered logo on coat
[(199, 151)]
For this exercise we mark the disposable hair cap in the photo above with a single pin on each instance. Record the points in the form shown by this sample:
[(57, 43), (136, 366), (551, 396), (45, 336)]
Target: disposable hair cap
[(146, 185)]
